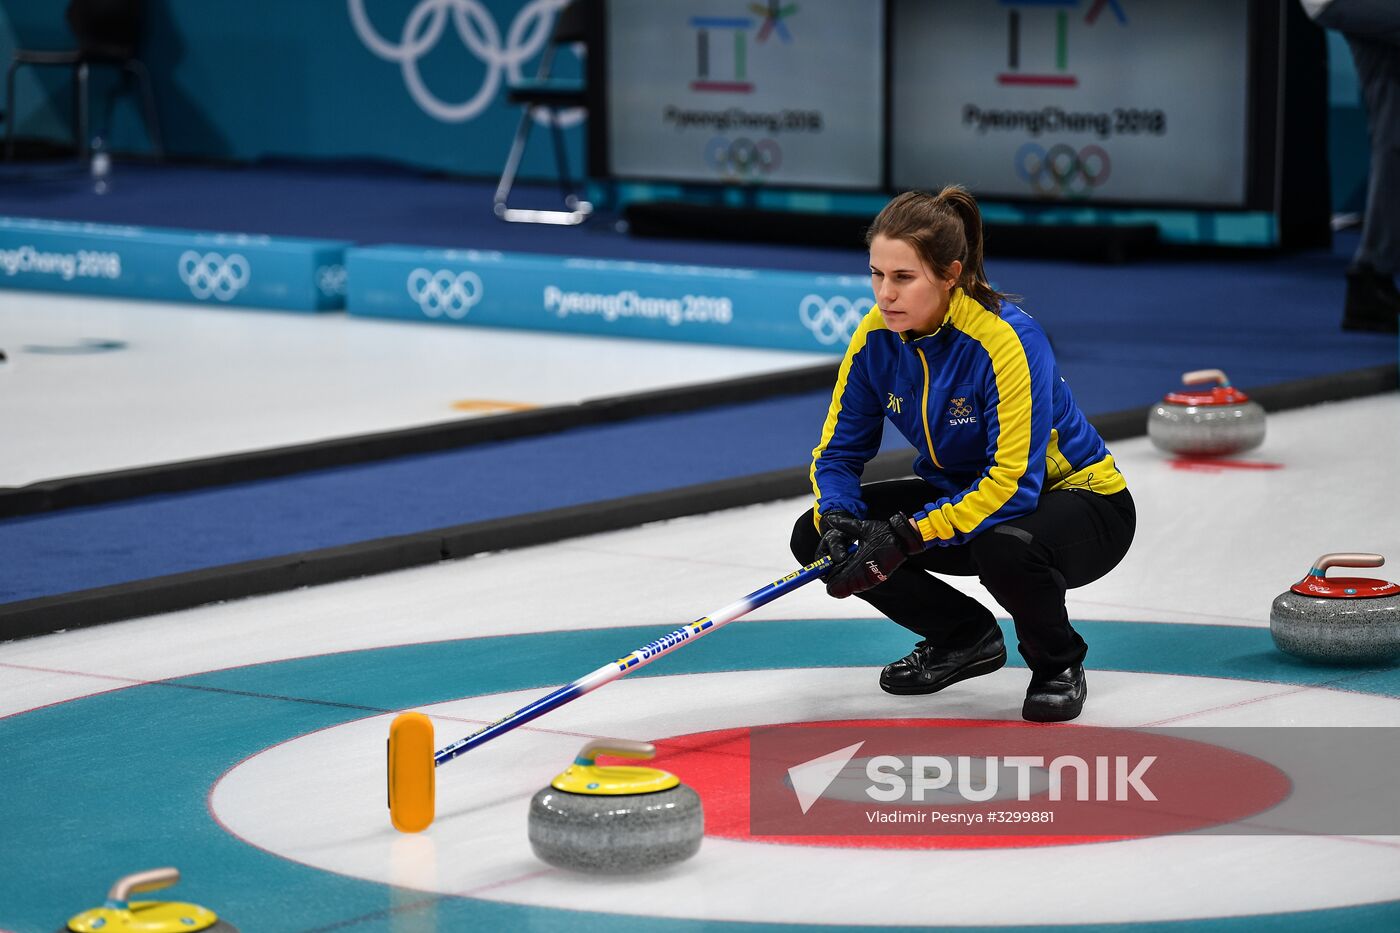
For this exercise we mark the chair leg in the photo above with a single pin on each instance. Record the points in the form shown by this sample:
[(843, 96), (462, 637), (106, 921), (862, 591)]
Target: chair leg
[(80, 112), (10, 111), (561, 160), (517, 150), (102, 126), (148, 104)]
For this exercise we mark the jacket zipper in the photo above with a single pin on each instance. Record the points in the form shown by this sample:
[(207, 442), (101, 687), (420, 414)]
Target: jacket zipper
[(923, 409)]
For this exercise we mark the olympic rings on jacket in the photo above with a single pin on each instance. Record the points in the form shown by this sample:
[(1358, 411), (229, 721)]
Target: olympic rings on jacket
[(444, 292), (833, 319), (1062, 171), (528, 33), (743, 157), (212, 276)]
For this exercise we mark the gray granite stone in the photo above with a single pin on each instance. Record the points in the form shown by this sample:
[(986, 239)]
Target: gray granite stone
[(1206, 430), (602, 834), (1337, 631)]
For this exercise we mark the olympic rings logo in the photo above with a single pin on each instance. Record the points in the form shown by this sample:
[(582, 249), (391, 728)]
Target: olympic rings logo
[(444, 292), (743, 157), (1062, 171), (331, 279), (212, 276), (528, 33), (833, 319)]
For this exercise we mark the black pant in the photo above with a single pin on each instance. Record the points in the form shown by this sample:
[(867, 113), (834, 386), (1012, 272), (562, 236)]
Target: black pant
[(1372, 30), (1072, 538)]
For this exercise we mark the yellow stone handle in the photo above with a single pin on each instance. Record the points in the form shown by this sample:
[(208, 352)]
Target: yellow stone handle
[(1197, 376), (1341, 559), (620, 748), (143, 881)]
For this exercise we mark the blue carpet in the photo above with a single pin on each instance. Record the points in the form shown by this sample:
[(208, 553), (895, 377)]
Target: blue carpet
[(363, 204), (58, 552)]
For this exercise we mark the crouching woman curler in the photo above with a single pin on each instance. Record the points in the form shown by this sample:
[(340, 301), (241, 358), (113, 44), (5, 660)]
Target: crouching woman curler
[(1013, 485)]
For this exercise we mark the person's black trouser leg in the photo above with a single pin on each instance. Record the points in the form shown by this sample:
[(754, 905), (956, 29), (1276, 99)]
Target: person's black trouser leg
[(1072, 538), (1378, 64), (1372, 30), (938, 613)]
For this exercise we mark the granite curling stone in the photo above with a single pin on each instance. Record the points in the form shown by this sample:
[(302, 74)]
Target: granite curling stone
[(1215, 422), (615, 820), (120, 914), (1339, 620)]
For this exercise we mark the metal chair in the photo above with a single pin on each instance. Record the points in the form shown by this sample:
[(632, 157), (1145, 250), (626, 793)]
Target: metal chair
[(547, 95), (108, 32)]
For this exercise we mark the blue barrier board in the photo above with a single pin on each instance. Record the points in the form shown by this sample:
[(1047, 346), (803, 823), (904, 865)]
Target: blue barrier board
[(172, 265), (694, 304)]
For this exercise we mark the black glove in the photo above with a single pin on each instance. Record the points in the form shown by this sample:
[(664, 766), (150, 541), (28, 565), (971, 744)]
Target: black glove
[(840, 531), (883, 547)]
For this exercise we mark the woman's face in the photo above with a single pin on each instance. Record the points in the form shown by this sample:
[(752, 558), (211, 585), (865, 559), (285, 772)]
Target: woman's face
[(911, 298)]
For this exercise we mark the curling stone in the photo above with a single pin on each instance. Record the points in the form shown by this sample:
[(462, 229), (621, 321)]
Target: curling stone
[(615, 820), (1339, 620), (1215, 422), (122, 915)]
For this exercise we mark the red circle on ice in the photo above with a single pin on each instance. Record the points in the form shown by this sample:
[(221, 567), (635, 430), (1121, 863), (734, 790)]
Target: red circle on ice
[(1197, 783)]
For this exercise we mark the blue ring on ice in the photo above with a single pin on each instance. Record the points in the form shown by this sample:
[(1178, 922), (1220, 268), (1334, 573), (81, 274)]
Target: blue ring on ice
[(74, 822)]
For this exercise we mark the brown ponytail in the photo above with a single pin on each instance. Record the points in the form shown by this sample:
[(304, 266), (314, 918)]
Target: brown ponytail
[(943, 228)]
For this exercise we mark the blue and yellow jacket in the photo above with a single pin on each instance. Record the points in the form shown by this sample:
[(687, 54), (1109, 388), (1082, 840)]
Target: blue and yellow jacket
[(982, 402)]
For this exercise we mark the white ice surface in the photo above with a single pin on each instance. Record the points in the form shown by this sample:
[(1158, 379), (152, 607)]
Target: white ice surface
[(1212, 548), (334, 819), (197, 381)]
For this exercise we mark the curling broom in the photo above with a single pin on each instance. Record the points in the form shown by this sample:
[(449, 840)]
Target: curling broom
[(413, 763)]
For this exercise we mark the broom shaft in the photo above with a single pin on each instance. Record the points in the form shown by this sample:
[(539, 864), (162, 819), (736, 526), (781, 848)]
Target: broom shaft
[(637, 659)]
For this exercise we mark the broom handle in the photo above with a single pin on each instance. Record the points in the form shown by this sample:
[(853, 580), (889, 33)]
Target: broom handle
[(637, 659)]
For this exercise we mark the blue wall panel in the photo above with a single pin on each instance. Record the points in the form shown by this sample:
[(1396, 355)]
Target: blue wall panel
[(172, 265), (415, 81), (695, 304)]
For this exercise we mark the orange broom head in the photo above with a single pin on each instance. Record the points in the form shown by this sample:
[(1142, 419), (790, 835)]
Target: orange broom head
[(412, 789)]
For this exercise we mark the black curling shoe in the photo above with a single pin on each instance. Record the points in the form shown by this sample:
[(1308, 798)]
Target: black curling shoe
[(1372, 302), (1055, 697), (928, 670)]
